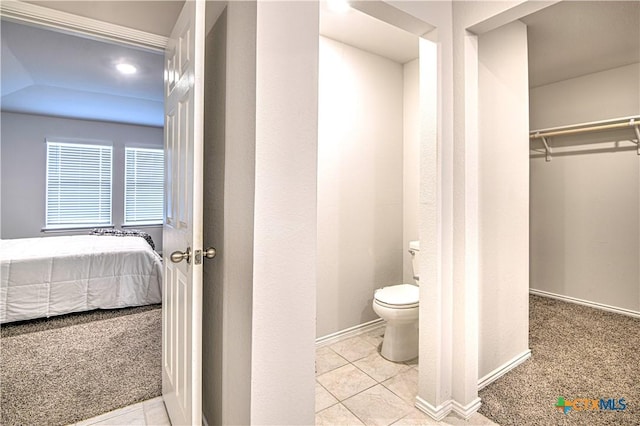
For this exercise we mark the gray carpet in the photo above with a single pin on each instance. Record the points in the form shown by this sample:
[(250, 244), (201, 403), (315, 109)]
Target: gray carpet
[(31, 326), (577, 352), (75, 367)]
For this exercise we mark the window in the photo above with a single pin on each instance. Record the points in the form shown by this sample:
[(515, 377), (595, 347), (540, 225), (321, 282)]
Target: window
[(143, 186), (78, 185)]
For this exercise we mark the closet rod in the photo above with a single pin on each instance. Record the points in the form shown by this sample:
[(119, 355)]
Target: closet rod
[(632, 122)]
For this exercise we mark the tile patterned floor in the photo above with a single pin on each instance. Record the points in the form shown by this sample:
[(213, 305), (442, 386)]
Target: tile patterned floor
[(147, 413), (355, 385)]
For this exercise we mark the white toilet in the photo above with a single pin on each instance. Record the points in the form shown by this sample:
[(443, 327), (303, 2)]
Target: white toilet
[(398, 306)]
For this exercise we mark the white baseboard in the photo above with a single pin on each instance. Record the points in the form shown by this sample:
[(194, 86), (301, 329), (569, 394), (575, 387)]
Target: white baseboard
[(596, 305), (440, 412), (466, 411), (332, 338), (503, 369), (436, 413)]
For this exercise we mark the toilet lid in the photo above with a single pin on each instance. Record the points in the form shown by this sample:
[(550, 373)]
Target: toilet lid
[(405, 295)]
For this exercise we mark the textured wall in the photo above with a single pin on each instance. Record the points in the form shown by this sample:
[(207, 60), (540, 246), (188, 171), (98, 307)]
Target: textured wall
[(284, 285), (411, 164), (593, 97), (503, 196), (360, 183)]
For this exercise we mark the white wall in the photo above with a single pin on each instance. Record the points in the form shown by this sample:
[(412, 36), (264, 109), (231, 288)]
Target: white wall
[(435, 208), (599, 96), (503, 181), (285, 226), (24, 167), (585, 203), (411, 164), (360, 178)]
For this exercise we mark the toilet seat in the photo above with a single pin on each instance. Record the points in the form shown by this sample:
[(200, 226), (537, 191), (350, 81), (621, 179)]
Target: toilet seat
[(401, 296)]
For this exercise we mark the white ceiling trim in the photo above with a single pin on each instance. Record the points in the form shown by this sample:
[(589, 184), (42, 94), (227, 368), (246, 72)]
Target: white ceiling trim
[(30, 13)]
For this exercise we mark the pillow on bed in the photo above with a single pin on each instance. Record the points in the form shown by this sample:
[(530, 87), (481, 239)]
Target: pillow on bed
[(124, 233)]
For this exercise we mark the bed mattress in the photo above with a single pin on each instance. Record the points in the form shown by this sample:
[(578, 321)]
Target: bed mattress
[(42, 277)]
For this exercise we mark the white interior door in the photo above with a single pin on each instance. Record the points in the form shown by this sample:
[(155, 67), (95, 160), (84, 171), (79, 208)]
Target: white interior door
[(182, 231)]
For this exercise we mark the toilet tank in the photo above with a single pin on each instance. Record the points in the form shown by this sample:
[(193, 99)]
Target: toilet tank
[(414, 249)]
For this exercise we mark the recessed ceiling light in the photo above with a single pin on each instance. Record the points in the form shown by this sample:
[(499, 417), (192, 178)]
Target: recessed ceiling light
[(339, 6), (126, 68)]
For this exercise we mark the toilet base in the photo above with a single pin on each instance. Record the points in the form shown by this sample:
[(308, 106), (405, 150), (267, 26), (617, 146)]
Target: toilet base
[(400, 342)]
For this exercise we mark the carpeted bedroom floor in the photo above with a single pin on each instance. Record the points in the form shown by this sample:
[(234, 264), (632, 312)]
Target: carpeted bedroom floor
[(577, 352), (65, 369)]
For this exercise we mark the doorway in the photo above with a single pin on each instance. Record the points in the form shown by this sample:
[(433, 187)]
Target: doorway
[(371, 152), (567, 193), (49, 86)]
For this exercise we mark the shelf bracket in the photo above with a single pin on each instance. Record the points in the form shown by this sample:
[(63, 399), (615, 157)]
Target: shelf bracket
[(547, 149), (637, 130)]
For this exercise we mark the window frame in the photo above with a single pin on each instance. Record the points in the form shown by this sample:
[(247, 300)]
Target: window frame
[(62, 224), (149, 222)]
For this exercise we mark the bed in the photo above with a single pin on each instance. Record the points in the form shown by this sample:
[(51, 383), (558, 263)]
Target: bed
[(43, 277)]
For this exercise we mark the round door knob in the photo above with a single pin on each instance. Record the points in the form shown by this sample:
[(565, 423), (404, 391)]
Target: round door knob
[(178, 256), (209, 253)]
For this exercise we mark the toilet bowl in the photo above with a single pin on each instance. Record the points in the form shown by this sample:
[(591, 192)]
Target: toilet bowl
[(398, 305)]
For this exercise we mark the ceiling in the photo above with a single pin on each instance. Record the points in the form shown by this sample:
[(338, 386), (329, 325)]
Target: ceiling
[(51, 73), (574, 38), (367, 33)]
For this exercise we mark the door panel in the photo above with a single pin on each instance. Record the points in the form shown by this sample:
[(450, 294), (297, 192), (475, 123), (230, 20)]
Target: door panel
[(182, 231)]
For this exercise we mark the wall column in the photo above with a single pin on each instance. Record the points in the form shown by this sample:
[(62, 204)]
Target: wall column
[(285, 232)]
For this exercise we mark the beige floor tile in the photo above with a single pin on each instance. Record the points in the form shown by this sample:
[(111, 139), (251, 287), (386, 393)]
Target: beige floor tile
[(327, 360), (337, 415), (354, 348), (345, 381), (405, 385), (323, 398), (413, 362), (131, 418), (479, 419), (379, 368), (110, 414), (476, 420), (377, 406), (374, 337), (416, 418), (155, 412)]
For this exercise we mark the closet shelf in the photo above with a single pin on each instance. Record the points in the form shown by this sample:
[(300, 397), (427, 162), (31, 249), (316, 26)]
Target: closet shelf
[(595, 126)]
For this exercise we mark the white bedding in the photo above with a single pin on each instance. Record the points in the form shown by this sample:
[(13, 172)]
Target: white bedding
[(42, 277)]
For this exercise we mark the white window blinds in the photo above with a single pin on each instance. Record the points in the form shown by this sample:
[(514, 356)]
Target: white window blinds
[(78, 185), (144, 186)]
